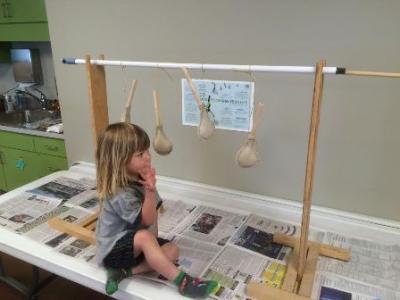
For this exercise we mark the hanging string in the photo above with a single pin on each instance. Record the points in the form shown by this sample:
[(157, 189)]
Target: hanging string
[(172, 79), (125, 81), (252, 79)]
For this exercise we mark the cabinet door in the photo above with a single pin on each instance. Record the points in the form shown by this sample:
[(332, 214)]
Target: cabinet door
[(20, 167), (3, 185), (50, 146), (51, 164), (22, 11)]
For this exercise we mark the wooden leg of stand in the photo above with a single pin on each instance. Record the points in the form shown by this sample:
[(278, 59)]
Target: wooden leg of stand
[(73, 229), (289, 283), (89, 220), (262, 291), (97, 97), (324, 250), (308, 183), (309, 272)]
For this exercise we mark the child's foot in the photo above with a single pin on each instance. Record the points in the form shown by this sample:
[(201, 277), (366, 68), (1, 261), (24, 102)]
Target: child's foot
[(195, 287), (114, 277)]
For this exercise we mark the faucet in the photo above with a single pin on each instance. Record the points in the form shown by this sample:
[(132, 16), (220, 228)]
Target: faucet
[(41, 98)]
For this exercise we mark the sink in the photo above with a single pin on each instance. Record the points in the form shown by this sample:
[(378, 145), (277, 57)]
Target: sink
[(38, 119)]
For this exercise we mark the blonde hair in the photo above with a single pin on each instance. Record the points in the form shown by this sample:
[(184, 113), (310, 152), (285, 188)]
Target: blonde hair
[(115, 147)]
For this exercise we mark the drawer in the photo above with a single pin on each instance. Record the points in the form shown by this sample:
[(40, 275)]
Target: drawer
[(16, 141), (51, 164), (50, 146)]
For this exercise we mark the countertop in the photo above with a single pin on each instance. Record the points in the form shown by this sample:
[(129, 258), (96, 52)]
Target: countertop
[(31, 131)]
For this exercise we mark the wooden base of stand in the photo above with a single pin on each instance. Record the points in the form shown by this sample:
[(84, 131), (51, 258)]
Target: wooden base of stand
[(84, 230), (293, 287)]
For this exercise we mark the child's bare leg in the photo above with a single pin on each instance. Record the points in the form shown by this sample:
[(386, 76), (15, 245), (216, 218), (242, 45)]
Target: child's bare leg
[(145, 241), (171, 250), (161, 260)]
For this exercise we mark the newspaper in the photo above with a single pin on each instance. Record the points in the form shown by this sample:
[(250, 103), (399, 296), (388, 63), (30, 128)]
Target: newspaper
[(38, 229), (332, 287), (63, 187), (175, 217), (213, 225), (260, 242), (77, 248), (195, 255), (257, 235), (24, 209), (228, 247), (272, 226), (234, 268), (371, 262), (87, 200)]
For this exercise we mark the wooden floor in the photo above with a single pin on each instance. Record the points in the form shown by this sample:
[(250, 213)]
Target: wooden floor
[(60, 288)]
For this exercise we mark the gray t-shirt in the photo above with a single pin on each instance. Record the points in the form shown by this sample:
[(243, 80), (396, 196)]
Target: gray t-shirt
[(119, 215)]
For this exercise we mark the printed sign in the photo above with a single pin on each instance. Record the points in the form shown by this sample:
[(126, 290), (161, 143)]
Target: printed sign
[(230, 103)]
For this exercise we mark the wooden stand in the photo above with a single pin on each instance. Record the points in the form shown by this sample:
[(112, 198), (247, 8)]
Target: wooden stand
[(302, 263), (301, 267), (99, 120)]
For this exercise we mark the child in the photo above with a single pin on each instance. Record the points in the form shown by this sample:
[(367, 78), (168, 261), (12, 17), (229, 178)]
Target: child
[(126, 232)]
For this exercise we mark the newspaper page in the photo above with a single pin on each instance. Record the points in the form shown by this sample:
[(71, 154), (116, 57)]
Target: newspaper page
[(234, 268), (195, 255), (25, 208), (77, 248), (332, 287), (274, 226), (87, 200), (214, 225), (371, 262), (63, 188), (260, 242), (175, 217), (39, 229), (257, 235)]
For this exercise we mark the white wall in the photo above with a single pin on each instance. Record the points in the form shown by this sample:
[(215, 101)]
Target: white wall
[(357, 163)]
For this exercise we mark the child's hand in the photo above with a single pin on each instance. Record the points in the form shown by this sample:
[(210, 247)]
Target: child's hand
[(149, 180)]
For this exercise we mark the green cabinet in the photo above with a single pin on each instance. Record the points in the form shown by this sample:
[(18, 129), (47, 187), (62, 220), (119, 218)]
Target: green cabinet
[(20, 166), (22, 11), (24, 158), (23, 20), (51, 164)]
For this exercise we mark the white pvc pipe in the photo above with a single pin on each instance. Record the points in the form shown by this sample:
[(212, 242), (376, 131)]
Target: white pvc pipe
[(194, 66)]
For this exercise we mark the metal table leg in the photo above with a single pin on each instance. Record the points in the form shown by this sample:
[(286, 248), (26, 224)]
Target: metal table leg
[(31, 293)]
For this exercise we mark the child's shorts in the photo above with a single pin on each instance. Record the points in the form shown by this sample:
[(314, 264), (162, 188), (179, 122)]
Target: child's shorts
[(121, 256)]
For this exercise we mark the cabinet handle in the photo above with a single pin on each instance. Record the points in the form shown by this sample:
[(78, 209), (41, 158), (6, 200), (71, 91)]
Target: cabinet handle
[(52, 170), (3, 8), (1, 158), (7, 9), (51, 148)]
